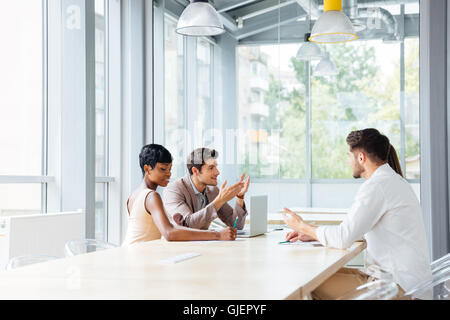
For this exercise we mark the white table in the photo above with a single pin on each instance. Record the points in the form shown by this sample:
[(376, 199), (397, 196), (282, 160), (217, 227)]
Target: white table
[(255, 268)]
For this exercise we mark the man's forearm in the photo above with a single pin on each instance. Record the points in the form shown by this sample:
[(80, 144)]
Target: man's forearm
[(240, 202), (218, 203), (202, 218)]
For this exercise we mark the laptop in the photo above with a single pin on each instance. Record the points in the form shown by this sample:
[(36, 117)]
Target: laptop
[(258, 218)]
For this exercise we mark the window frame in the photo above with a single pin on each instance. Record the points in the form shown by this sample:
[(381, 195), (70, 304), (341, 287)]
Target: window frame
[(160, 13), (52, 193), (44, 179), (311, 180)]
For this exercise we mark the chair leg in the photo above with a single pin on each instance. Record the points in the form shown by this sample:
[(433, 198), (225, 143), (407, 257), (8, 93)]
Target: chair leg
[(307, 296)]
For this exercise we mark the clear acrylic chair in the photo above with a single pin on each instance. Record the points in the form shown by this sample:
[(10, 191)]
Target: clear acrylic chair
[(374, 290), (25, 260), (81, 246), (378, 273), (440, 263), (438, 288)]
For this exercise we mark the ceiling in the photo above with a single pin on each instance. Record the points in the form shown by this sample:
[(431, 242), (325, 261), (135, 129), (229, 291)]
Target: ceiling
[(269, 21)]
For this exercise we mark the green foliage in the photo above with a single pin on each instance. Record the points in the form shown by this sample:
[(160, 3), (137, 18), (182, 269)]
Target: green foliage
[(360, 96)]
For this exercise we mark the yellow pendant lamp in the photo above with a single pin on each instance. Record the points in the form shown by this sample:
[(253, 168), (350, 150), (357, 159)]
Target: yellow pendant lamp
[(333, 26)]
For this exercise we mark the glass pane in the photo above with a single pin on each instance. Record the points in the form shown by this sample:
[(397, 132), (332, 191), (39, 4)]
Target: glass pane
[(349, 101), (100, 108), (272, 112), (21, 87), (174, 131), (377, 85), (412, 116), (272, 122), (100, 211), (101, 114), (204, 84), (20, 199), (366, 92)]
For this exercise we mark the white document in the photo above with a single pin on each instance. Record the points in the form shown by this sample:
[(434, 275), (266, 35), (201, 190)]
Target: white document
[(179, 258), (303, 243)]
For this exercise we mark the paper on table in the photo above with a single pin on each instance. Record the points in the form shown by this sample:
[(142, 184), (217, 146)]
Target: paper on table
[(179, 258), (303, 243)]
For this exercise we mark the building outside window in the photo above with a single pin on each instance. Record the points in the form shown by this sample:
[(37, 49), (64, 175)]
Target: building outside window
[(294, 145)]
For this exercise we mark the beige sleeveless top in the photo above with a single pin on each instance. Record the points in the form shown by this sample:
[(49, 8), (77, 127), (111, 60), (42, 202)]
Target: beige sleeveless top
[(141, 226)]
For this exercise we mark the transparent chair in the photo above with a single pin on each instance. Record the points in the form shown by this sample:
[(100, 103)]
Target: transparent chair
[(374, 290), (438, 288), (81, 246), (440, 263), (25, 260), (378, 273)]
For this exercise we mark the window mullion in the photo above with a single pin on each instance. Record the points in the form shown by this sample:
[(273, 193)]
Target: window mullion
[(44, 170)]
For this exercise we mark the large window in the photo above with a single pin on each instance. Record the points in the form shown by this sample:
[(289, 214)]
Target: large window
[(101, 120), (271, 113), (25, 184), (350, 101), (22, 127), (174, 94), (203, 115), (411, 108), (294, 122), (188, 85)]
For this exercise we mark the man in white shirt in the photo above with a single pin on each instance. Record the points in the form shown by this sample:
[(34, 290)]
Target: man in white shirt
[(386, 212)]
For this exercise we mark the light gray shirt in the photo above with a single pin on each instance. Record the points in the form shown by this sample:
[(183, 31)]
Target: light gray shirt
[(202, 199)]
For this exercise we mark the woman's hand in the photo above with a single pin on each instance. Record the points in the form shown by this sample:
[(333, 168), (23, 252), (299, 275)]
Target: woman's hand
[(227, 234)]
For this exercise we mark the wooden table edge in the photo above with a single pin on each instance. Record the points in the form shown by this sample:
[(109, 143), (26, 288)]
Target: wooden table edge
[(319, 279)]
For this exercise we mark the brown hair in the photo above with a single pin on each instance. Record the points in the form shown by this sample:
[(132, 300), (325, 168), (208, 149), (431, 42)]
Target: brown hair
[(198, 157), (377, 147)]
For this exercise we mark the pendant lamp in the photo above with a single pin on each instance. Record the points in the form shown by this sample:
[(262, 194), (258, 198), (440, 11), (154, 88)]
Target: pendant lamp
[(333, 26), (326, 67), (309, 50), (200, 18)]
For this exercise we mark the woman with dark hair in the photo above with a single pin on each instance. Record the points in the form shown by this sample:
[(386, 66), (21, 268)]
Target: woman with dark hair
[(147, 218)]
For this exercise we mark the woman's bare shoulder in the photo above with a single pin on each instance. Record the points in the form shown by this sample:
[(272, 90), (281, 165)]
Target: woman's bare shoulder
[(153, 198)]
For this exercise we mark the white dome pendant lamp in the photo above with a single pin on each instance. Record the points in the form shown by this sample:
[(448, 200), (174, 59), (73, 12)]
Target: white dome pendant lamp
[(325, 67), (309, 50), (333, 26), (200, 18)]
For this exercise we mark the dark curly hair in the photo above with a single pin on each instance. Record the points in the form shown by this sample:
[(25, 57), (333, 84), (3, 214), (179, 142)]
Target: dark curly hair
[(377, 147), (153, 153)]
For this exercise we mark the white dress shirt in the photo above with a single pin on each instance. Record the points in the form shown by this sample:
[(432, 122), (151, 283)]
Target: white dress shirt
[(387, 213)]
